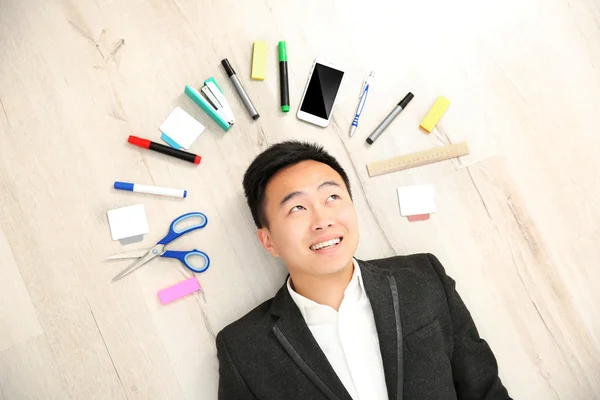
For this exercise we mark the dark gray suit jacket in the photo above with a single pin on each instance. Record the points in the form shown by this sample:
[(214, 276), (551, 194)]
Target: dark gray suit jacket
[(429, 344)]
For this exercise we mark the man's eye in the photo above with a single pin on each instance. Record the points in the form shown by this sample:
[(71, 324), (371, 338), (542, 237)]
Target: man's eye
[(333, 197), (296, 208)]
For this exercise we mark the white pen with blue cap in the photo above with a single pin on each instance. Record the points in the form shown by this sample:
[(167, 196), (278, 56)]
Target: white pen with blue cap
[(361, 103), (162, 191)]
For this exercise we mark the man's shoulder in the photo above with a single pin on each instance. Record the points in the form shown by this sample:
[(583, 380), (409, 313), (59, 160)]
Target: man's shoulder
[(255, 323), (416, 262), (418, 268)]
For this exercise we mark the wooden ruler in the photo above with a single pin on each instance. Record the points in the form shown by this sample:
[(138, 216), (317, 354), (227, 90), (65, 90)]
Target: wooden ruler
[(417, 159)]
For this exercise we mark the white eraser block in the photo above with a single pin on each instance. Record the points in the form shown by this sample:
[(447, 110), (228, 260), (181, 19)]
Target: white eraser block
[(128, 222), (416, 200), (182, 128)]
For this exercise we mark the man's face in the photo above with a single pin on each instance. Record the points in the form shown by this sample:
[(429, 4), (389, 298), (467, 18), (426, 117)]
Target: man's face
[(312, 221)]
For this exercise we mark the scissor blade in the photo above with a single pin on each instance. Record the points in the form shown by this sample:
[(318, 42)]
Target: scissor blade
[(154, 252), (132, 254)]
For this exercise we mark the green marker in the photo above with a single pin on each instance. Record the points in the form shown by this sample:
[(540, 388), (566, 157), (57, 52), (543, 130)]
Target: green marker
[(283, 78)]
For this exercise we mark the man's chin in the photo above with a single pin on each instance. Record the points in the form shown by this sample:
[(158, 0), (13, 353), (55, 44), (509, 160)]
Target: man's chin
[(333, 267)]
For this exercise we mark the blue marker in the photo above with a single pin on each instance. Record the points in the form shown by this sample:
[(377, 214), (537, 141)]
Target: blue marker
[(162, 191), (361, 103)]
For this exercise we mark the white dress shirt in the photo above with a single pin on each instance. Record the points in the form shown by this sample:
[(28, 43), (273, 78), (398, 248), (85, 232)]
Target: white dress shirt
[(348, 338)]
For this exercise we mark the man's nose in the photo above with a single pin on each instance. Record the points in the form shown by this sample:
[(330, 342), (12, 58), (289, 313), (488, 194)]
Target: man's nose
[(321, 219)]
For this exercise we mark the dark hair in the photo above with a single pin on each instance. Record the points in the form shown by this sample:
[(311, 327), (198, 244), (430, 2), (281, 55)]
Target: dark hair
[(275, 158)]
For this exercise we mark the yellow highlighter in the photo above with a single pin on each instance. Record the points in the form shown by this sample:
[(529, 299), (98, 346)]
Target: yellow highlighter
[(435, 114), (259, 60)]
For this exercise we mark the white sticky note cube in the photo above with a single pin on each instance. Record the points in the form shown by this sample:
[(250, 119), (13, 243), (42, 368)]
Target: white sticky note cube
[(416, 200), (181, 128), (128, 222)]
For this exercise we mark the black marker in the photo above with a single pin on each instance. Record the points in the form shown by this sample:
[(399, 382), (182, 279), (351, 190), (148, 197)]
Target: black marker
[(239, 89), (161, 148), (388, 120)]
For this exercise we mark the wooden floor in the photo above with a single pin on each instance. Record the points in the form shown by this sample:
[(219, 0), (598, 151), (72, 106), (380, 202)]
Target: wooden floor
[(517, 223)]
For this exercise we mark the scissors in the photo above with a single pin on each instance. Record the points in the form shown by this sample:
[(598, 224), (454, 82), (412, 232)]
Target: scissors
[(159, 250)]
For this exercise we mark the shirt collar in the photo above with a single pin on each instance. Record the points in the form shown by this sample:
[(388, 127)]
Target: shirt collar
[(305, 305)]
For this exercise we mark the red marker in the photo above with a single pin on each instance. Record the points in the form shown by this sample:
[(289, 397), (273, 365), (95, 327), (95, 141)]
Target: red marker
[(161, 148)]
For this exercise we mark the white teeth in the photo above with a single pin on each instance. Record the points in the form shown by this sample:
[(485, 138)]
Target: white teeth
[(325, 244)]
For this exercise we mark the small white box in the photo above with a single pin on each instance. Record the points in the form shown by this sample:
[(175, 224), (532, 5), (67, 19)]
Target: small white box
[(416, 200), (181, 128), (128, 222)]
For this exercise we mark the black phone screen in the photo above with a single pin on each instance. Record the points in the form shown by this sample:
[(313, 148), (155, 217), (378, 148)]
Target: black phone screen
[(322, 89)]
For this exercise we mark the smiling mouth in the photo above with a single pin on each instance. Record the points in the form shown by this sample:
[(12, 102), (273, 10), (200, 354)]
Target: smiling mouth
[(327, 244)]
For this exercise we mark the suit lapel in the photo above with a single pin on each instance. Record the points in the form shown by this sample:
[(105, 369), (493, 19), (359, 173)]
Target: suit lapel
[(382, 292), (291, 331)]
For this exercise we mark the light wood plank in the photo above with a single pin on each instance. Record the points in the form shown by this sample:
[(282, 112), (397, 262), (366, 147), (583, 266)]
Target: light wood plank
[(18, 320), (28, 371)]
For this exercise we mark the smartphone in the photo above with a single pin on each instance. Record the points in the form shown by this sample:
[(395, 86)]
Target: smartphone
[(320, 93)]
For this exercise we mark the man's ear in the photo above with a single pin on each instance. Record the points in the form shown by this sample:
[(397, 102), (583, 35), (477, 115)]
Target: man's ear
[(265, 238)]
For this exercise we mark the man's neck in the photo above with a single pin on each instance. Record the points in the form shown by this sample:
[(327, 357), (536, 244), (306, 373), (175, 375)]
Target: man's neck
[(327, 290)]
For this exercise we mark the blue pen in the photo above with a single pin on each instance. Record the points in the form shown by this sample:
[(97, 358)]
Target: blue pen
[(361, 103)]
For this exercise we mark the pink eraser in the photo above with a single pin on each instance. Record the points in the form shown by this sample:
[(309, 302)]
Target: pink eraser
[(179, 290)]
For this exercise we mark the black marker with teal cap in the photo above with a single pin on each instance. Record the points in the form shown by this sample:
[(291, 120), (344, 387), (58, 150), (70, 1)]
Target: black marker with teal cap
[(283, 78)]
